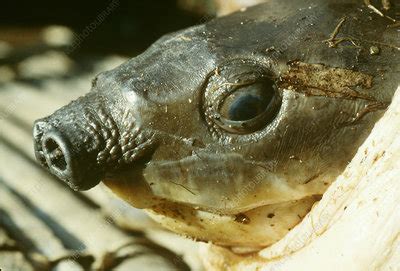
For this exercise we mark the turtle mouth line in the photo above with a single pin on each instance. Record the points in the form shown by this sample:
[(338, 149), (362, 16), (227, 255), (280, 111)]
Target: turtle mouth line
[(230, 212)]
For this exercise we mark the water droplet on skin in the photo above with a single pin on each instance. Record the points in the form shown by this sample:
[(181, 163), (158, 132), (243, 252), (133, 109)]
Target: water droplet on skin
[(216, 116), (242, 218), (86, 139), (189, 141), (374, 50)]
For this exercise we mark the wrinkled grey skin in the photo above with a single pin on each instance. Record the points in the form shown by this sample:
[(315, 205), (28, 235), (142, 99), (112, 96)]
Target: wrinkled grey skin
[(151, 127)]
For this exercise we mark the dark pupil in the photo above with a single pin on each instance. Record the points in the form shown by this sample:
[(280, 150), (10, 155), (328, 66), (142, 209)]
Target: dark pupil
[(246, 107)]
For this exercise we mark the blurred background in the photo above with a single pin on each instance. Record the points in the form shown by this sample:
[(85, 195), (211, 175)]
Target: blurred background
[(49, 53), (86, 29)]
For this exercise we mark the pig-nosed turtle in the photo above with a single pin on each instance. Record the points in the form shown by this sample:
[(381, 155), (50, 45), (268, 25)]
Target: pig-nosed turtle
[(231, 130)]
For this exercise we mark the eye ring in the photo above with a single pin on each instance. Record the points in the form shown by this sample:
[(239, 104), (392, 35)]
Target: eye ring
[(235, 88)]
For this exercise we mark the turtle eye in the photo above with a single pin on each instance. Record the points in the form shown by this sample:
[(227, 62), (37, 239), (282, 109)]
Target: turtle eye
[(250, 107), (247, 102), (241, 97)]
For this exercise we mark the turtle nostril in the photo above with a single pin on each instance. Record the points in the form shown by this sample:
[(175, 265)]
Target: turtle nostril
[(55, 154)]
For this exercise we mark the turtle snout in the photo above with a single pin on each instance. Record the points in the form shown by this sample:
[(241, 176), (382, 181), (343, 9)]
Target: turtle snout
[(56, 151), (51, 149)]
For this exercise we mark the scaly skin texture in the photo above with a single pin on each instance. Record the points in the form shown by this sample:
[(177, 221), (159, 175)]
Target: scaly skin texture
[(229, 131)]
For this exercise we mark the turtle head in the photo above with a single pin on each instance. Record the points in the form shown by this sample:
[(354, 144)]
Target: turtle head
[(224, 128)]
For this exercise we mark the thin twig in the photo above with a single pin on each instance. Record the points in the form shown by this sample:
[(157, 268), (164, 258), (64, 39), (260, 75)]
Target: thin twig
[(337, 28), (184, 187), (373, 8), (333, 42), (386, 6), (394, 25)]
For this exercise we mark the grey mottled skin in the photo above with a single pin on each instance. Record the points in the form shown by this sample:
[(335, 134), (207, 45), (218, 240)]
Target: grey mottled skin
[(157, 131)]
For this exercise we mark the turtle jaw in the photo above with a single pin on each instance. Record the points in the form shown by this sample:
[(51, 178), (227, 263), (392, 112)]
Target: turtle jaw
[(255, 228)]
